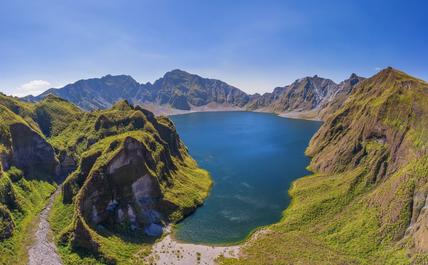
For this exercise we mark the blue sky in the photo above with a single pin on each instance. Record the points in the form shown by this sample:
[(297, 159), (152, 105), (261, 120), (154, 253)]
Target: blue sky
[(253, 45)]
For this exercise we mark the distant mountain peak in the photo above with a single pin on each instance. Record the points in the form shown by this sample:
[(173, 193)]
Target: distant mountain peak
[(181, 90)]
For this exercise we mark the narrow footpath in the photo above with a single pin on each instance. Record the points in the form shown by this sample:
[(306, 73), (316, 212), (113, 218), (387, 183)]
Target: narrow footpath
[(44, 251)]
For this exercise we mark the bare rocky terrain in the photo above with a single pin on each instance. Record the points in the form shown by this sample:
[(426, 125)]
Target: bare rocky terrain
[(44, 251)]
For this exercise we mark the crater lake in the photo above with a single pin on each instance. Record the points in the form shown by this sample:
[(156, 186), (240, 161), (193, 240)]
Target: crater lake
[(252, 158)]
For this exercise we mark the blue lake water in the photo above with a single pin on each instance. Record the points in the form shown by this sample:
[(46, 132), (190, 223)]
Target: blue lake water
[(252, 159)]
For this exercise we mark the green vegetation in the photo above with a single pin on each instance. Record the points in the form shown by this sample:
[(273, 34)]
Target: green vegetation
[(20, 201), (95, 142), (54, 114), (23, 190), (67, 140), (365, 203)]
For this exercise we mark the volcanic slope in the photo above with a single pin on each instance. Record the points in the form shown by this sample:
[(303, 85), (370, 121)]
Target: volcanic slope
[(366, 201), (129, 174), (28, 174)]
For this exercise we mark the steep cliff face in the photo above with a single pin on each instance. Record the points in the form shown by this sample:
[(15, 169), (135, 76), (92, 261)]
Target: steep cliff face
[(32, 153), (304, 94), (128, 193), (133, 174), (25, 148)]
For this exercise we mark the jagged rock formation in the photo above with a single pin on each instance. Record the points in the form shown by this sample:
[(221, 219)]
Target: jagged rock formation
[(309, 94), (179, 90), (262, 102), (25, 148), (341, 94)]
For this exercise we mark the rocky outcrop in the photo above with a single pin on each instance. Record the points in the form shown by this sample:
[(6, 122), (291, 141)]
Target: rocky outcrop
[(26, 148), (127, 193), (309, 94), (262, 102), (338, 98), (32, 153), (133, 176), (67, 166)]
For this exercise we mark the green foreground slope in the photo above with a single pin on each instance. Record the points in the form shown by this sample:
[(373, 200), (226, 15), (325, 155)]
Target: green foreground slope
[(129, 174), (26, 181), (133, 174), (365, 202)]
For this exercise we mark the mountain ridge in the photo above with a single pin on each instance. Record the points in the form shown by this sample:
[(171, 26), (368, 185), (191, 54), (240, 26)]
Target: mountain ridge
[(178, 91)]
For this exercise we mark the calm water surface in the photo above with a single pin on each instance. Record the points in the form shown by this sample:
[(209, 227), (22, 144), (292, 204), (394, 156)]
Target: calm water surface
[(252, 159)]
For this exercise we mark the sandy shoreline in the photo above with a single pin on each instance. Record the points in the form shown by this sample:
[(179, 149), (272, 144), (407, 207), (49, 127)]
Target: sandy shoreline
[(170, 251)]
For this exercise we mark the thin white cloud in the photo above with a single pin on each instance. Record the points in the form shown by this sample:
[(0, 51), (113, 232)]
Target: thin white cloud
[(377, 68), (33, 85), (33, 92)]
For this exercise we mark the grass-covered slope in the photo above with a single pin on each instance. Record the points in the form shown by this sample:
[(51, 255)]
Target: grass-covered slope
[(53, 114), (20, 201), (129, 174), (366, 202), (27, 175), (133, 175)]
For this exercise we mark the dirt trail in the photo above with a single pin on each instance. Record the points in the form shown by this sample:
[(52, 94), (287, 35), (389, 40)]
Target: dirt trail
[(44, 251)]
